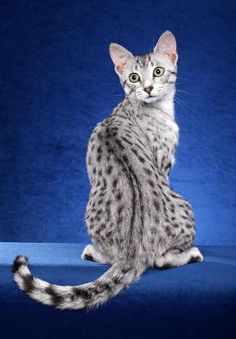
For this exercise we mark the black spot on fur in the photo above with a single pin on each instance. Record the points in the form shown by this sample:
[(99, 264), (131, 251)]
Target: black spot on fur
[(156, 204), (119, 196), (116, 280), (109, 170), (125, 270), (108, 203), (104, 183), (125, 158), (99, 149), (107, 287), (81, 293), (114, 183), (134, 151), (28, 283), (120, 209), (168, 232), (147, 171), (141, 159), (155, 193), (119, 221), (188, 225), (151, 183), (103, 226), (99, 135), (56, 297)]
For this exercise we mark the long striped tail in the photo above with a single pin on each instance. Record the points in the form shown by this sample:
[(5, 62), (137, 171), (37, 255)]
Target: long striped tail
[(88, 295)]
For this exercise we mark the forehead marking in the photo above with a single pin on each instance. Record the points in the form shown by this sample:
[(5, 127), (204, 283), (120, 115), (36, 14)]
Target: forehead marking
[(143, 60)]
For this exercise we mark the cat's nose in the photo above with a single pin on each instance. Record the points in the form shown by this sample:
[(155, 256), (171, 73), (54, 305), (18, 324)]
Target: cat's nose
[(148, 89)]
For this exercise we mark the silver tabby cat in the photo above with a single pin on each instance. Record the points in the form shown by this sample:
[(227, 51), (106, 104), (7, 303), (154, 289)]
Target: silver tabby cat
[(134, 218)]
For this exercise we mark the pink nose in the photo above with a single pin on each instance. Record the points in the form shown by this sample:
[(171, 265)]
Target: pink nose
[(148, 89)]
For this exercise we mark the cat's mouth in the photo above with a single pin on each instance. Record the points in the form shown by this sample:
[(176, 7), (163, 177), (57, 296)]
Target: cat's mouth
[(148, 97), (151, 98)]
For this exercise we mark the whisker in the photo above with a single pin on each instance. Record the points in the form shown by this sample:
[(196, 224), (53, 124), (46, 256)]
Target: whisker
[(181, 104), (184, 78), (179, 90)]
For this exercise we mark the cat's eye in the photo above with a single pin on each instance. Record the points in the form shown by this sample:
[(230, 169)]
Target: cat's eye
[(158, 71), (134, 77)]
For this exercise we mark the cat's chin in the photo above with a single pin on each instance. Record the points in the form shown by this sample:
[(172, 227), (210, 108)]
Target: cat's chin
[(151, 99)]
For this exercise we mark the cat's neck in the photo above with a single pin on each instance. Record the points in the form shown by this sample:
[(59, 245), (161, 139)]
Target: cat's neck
[(167, 106)]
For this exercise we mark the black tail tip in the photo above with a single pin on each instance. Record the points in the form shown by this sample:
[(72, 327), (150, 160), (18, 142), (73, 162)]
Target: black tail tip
[(20, 260)]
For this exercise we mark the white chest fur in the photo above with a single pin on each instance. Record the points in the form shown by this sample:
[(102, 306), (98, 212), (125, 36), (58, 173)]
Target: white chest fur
[(162, 133)]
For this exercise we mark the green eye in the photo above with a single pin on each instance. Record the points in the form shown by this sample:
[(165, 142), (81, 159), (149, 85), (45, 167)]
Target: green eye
[(134, 77), (158, 71)]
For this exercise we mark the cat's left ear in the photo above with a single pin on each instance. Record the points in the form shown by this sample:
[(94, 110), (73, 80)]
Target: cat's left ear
[(166, 45), (120, 57)]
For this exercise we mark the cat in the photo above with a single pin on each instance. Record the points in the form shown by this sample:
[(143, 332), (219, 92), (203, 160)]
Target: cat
[(134, 218)]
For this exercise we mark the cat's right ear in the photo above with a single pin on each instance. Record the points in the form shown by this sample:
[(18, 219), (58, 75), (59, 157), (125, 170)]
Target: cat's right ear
[(120, 57)]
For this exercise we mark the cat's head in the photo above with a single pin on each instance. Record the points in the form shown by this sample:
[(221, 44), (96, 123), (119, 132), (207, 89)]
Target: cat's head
[(149, 77)]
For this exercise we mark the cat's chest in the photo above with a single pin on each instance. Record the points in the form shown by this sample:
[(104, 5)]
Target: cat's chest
[(162, 135)]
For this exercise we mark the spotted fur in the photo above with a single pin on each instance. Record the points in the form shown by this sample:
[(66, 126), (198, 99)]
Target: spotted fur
[(134, 218)]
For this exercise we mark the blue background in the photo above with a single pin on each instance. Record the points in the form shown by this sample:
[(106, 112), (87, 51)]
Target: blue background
[(57, 81)]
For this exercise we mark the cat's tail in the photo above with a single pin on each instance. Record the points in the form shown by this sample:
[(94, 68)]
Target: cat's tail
[(88, 295)]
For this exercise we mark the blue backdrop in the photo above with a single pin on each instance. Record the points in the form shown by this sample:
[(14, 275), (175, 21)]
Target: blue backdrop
[(57, 82)]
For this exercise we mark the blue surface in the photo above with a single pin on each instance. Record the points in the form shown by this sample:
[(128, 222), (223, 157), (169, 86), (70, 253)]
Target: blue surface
[(194, 301), (57, 81)]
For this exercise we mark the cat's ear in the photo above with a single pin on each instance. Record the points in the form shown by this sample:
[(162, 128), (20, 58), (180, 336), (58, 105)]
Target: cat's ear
[(120, 56), (166, 45)]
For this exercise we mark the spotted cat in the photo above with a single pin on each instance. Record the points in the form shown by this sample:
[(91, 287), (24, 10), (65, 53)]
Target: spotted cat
[(134, 218)]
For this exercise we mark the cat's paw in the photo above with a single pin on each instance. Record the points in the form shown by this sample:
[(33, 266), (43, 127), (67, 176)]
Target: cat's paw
[(87, 253), (195, 255)]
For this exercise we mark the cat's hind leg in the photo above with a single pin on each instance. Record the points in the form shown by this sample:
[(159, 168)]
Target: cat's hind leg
[(92, 254), (176, 257)]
